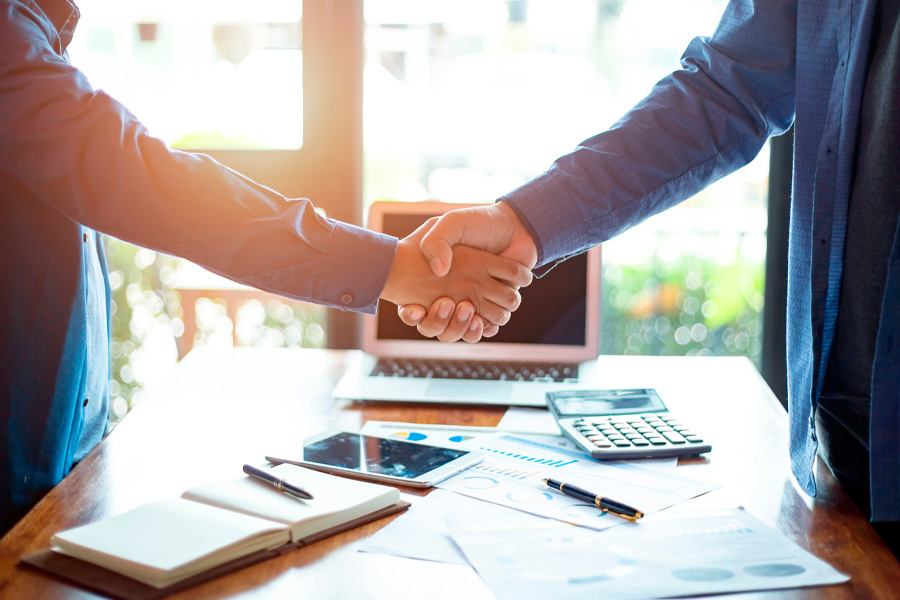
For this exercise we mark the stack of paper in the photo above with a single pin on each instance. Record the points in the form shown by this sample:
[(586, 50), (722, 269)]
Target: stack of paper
[(528, 541)]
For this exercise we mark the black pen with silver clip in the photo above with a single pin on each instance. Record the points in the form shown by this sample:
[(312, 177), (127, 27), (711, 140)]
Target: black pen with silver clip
[(604, 504), (277, 482)]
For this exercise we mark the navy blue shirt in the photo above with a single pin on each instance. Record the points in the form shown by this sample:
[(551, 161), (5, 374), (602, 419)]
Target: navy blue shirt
[(769, 63), (73, 162)]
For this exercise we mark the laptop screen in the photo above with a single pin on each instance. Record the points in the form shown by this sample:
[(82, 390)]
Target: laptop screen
[(553, 309)]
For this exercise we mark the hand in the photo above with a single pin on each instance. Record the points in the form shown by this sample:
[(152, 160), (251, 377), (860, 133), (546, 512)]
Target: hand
[(446, 324), (496, 229), (490, 283)]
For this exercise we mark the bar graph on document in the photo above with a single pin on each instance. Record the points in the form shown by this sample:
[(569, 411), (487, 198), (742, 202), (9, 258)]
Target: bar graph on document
[(546, 462), (510, 473)]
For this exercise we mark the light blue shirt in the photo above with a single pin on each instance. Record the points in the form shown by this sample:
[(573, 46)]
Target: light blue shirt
[(770, 63)]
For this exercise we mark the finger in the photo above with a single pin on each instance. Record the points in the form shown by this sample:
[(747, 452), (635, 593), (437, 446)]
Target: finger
[(438, 317), (411, 314), (490, 330), (508, 271), (459, 324), (437, 244), (491, 312), (474, 332), (500, 294)]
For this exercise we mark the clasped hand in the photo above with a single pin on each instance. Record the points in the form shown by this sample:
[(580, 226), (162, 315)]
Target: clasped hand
[(474, 261)]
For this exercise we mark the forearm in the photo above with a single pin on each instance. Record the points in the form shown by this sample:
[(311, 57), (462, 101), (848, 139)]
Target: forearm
[(87, 156), (696, 126)]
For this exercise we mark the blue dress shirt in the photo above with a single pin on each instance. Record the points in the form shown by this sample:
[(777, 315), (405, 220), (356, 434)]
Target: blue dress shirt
[(74, 161), (769, 63)]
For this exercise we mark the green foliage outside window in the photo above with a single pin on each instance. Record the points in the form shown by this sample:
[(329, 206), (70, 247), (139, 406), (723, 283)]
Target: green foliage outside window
[(147, 318), (690, 306)]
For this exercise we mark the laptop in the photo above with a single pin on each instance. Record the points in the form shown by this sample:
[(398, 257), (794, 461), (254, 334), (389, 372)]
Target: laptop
[(549, 344)]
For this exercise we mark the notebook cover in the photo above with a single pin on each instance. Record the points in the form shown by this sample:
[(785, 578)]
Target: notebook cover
[(116, 585)]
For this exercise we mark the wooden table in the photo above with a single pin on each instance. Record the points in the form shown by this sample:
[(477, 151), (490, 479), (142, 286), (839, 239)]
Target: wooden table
[(225, 408)]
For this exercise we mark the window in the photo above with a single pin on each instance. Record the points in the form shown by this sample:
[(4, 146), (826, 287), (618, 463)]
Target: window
[(201, 74)]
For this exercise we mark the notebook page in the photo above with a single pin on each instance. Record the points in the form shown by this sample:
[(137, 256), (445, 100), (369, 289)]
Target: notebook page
[(168, 539)]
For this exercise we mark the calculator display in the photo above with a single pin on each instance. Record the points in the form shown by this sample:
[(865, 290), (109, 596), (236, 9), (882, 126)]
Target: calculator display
[(606, 402)]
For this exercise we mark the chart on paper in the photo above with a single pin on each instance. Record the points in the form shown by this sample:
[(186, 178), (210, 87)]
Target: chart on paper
[(513, 473), (504, 484), (664, 556)]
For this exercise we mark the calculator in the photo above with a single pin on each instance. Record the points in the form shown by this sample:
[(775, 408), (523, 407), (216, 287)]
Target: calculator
[(622, 424)]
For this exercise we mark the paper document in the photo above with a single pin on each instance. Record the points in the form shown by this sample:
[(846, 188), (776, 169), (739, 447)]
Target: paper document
[(421, 532), (664, 555), (528, 420), (513, 472)]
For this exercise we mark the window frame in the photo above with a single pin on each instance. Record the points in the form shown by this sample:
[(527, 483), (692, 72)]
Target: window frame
[(328, 168)]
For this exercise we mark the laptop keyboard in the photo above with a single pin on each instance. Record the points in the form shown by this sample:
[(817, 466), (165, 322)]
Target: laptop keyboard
[(463, 369)]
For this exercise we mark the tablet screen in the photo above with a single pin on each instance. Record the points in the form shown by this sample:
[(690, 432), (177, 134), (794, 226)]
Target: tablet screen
[(379, 456)]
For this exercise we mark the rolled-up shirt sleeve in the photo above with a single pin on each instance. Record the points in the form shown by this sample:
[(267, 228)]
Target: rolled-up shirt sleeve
[(85, 154)]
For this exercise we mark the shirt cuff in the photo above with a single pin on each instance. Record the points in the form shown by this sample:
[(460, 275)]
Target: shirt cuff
[(545, 207), (356, 269)]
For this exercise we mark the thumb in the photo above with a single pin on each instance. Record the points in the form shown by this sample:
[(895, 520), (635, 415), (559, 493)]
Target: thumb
[(411, 314), (437, 244)]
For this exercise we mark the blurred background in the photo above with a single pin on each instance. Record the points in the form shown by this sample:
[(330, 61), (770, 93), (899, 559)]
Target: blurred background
[(453, 100)]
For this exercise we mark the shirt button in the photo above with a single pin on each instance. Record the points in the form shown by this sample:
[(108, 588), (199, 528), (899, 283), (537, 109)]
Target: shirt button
[(346, 298), (86, 400)]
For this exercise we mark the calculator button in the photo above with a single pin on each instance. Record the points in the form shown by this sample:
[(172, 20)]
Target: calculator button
[(595, 437), (673, 437), (640, 442), (634, 436), (657, 441), (622, 444), (607, 430), (664, 429), (693, 439), (602, 444)]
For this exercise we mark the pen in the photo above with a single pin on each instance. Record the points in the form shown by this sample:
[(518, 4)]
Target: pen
[(279, 484), (604, 504)]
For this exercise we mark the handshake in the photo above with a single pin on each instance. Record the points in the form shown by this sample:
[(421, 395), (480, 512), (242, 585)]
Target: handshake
[(458, 275)]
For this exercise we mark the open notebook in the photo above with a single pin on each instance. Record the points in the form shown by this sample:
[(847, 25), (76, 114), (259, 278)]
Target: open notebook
[(549, 344), (169, 541)]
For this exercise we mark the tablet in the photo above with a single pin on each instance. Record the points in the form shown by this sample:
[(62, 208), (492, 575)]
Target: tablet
[(381, 459)]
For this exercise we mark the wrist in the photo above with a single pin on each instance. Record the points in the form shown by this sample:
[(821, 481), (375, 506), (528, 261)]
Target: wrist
[(522, 247)]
